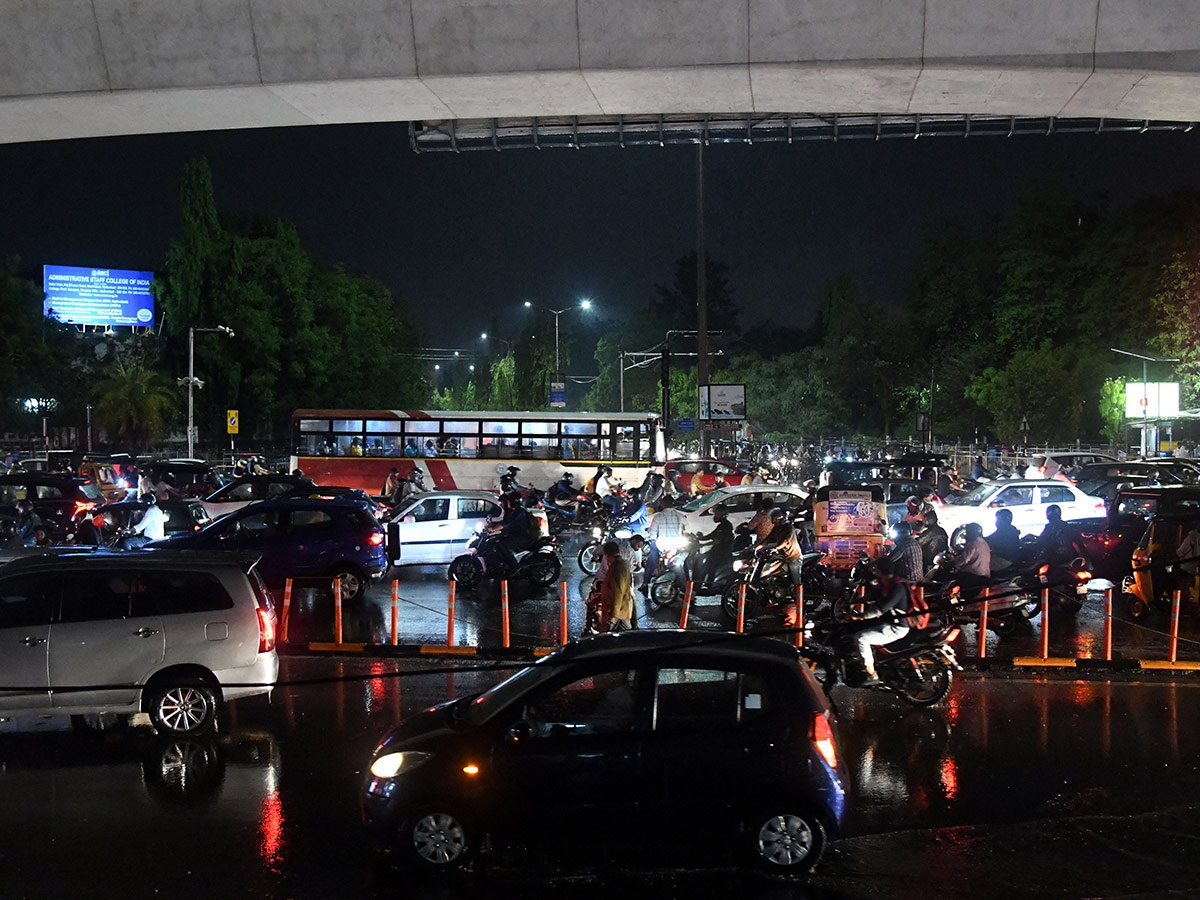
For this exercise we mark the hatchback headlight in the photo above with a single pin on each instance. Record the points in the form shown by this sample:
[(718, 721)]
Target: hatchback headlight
[(392, 764)]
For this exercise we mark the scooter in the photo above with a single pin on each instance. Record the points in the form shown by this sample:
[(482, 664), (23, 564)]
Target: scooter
[(676, 567), (541, 563), (768, 583)]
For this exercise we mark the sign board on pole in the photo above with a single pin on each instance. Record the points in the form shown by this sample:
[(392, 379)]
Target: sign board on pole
[(685, 425), (231, 421), (85, 296), (1152, 400), (722, 402), (558, 392)]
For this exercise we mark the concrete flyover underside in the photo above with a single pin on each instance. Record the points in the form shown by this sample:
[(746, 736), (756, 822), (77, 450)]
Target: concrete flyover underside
[(84, 68)]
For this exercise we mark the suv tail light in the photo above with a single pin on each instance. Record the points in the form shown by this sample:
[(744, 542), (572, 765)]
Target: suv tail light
[(375, 538), (822, 739), (266, 631)]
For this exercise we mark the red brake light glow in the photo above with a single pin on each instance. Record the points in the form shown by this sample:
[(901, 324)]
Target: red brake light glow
[(1043, 570), (953, 635), (81, 505), (822, 739), (375, 538), (266, 632)]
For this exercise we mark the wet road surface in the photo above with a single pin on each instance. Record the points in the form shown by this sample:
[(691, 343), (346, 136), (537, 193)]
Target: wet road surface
[(1016, 787)]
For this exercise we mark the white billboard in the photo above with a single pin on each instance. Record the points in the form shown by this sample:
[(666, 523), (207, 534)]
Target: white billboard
[(722, 402), (1155, 400)]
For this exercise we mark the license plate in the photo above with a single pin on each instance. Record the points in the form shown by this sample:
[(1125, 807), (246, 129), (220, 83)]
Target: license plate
[(1081, 588)]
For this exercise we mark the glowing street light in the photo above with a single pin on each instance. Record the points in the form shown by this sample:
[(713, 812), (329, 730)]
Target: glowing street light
[(584, 304), (193, 382)]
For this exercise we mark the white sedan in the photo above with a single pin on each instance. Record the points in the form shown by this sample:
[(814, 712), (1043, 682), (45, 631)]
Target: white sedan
[(740, 503), (1027, 501), (432, 528)]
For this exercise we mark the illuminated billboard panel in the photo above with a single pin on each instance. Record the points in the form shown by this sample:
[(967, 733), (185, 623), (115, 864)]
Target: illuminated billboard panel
[(82, 296), (1151, 400)]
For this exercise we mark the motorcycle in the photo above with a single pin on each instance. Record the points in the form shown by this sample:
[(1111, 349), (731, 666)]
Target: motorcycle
[(615, 527), (676, 566), (919, 667), (541, 563), (768, 583)]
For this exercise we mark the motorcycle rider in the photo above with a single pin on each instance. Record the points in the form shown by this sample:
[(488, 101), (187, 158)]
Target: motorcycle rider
[(152, 527), (933, 539), (783, 537), (668, 522), (973, 564), (893, 597), (413, 484), (652, 490), (27, 521), (89, 533), (508, 482), (1005, 541), (760, 524), (562, 490), (717, 562), (515, 530), (1057, 542), (906, 553)]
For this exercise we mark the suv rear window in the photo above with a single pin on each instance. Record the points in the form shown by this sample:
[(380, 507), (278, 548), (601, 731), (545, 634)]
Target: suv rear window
[(118, 594)]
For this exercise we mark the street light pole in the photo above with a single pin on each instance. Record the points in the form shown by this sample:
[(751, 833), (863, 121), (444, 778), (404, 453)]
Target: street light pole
[(193, 383)]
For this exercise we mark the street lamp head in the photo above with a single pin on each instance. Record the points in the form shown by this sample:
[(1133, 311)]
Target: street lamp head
[(528, 305), (483, 337), (585, 304)]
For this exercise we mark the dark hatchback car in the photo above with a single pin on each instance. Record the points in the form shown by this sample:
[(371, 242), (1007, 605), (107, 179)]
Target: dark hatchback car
[(56, 498), (299, 538), (183, 515), (654, 738)]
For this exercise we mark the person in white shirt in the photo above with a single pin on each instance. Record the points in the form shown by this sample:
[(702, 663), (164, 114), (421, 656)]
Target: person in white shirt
[(668, 522), (153, 526)]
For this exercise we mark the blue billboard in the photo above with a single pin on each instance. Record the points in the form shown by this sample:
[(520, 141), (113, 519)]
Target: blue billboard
[(82, 296)]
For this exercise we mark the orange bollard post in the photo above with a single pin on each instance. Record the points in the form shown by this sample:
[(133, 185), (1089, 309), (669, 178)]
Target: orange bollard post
[(799, 623), (562, 612), (450, 615), (687, 604), (287, 606), (983, 617), (337, 610), (1175, 599), (395, 612), (1108, 623), (504, 612), (1045, 623), (741, 616)]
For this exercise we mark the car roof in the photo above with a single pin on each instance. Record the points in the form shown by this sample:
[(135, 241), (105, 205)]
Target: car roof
[(48, 477), (732, 489), (1164, 489), (665, 640), (59, 558), (475, 495)]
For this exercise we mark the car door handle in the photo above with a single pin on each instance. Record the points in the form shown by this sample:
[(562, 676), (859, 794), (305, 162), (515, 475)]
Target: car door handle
[(32, 641), (146, 632)]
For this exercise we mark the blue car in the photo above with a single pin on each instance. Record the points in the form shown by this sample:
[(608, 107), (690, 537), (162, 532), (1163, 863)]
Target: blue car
[(300, 537)]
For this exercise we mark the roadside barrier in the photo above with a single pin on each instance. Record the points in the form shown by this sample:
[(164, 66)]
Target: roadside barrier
[(983, 617), (741, 611), (1045, 623), (395, 613), (1175, 600), (449, 614), (563, 636), (1108, 623), (337, 610), (687, 604), (287, 606), (504, 612), (799, 623)]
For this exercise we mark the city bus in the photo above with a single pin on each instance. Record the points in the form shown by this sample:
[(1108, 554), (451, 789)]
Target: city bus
[(470, 450)]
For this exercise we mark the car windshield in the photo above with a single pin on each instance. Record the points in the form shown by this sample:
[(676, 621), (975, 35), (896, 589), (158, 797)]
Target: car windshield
[(92, 492), (496, 698), (977, 496), (702, 500)]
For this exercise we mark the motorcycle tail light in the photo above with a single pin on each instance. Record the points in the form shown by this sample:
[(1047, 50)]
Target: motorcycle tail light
[(822, 739), (953, 635), (1084, 575), (1043, 570)]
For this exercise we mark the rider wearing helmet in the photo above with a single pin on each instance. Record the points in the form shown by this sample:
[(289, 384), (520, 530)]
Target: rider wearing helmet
[(1056, 543), (973, 564), (515, 530), (783, 537), (1005, 541), (27, 521), (712, 567)]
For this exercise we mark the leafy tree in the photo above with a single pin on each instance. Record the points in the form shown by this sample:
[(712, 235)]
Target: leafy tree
[(1112, 409), (788, 395), (136, 403), (1039, 385), (1176, 306)]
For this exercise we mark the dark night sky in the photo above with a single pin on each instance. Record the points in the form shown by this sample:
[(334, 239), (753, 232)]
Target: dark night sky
[(462, 237)]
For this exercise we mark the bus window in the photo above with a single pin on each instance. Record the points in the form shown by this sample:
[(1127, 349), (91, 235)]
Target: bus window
[(383, 426), (321, 425), (422, 426), (539, 448), (579, 441), (499, 440), (354, 426)]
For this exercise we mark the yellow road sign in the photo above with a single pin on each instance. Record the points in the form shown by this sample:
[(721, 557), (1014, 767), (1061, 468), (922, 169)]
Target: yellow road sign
[(231, 421)]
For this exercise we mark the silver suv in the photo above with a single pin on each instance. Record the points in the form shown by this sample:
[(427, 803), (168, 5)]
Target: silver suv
[(169, 634)]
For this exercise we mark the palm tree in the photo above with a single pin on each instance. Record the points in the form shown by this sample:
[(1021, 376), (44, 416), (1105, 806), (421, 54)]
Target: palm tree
[(135, 403)]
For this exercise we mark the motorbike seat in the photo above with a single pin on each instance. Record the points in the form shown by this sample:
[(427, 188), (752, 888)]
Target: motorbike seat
[(812, 556)]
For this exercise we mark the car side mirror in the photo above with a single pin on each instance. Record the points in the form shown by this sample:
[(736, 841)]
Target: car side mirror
[(520, 731)]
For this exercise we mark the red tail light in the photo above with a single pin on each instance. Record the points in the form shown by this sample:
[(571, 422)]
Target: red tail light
[(1043, 570), (1084, 575), (953, 635), (822, 739), (82, 506), (266, 631), (375, 539)]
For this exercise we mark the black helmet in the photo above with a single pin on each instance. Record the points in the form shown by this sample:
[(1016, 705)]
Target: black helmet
[(24, 506), (1053, 513), (901, 530), (778, 514), (513, 470), (914, 500), (567, 476), (1004, 517), (416, 475), (974, 531)]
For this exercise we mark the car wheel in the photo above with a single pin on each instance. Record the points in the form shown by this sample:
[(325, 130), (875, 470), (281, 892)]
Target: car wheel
[(352, 581), (182, 709), (437, 839), (787, 842), (466, 571)]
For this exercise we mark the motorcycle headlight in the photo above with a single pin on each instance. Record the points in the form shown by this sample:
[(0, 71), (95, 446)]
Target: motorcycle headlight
[(670, 544), (738, 565), (623, 533), (392, 764), (597, 533)]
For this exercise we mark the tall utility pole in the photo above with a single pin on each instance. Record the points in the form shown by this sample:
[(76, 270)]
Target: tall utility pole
[(701, 292)]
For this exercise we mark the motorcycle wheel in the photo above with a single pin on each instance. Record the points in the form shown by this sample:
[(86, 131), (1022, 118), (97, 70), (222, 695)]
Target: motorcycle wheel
[(544, 572), (1135, 605), (664, 591), (1003, 625), (466, 571), (557, 522), (931, 686), (589, 557), (729, 600)]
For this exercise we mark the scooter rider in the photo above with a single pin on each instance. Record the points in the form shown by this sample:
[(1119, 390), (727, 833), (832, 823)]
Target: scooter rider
[(973, 564), (711, 568), (783, 537), (668, 522), (1005, 541), (515, 530), (562, 490), (893, 597)]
